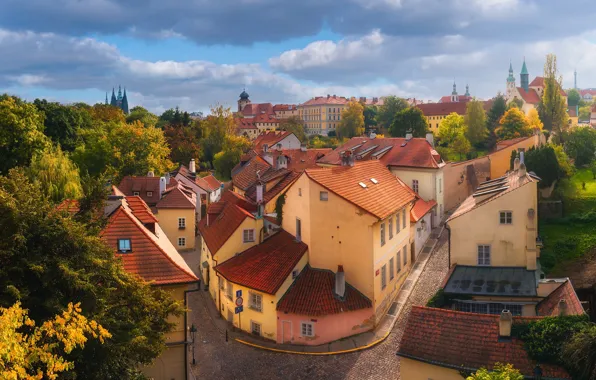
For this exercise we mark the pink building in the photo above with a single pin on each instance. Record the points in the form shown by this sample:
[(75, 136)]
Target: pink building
[(320, 307)]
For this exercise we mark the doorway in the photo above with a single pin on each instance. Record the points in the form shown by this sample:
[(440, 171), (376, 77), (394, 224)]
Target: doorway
[(286, 331)]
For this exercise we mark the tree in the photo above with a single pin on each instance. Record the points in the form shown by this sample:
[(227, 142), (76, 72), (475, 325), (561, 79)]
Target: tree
[(225, 160), (216, 127), (21, 132), (500, 372), (513, 124), (295, 125), (352, 121), (580, 145), (29, 352), (565, 166), (143, 115), (56, 175), (106, 113), (451, 128), (552, 107), (386, 113), (461, 145), (184, 142), (543, 162), (370, 117), (493, 119), (534, 121), (409, 120), (580, 353), (573, 97), (585, 112), (48, 260), (63, 123), (476, 131)]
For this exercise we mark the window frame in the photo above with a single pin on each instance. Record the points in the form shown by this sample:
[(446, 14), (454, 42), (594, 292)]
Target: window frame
[(251, 232), (403, 219), (150, 193), (398, 261), (324, 196), (506, 217), (136, 194), (390, 227), (129, 250), (183, 240), (486, 248), (253, 324), (252, 296), (391, 269), (415, 185), (397, 223), (383, 276), (405, 258), (308, 325), (382, 232), (298, 229), (229, 290), (181, 223)]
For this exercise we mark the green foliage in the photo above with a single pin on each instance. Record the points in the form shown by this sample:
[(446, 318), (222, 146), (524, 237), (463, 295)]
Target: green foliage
[(515, 103), (21, 132), (55, 174), (48, 260), (352, 121), (493, 119), (279, 207), (566, 168), (184, 142), (450, 128), (552, 107), (461, 145), (174, 117), (500, 372), (63, 123), (216, 127), (409, 120), (442, 300), (580, 145), (295, 125), (573, 97), (476, 131), (141, 114), (386, 113), (580, 353), (585, 112), (513, 124), (370, 117), (229, 156), (318, 142), (543, 162)]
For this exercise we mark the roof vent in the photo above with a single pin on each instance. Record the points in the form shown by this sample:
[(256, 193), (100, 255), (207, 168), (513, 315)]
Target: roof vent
[(362, 184), (373, 180)]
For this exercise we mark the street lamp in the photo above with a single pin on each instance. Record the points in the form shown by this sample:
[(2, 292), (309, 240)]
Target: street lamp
[(193, 335)]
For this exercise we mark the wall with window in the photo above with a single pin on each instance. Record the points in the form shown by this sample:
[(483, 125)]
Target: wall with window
[(178, 223), (420, 232), (264, 313), (416, 370), (511, 244), (315, 330)]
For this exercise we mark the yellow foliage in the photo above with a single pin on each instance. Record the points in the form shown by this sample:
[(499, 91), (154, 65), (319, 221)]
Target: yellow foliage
[(534, 120), (29, 352)]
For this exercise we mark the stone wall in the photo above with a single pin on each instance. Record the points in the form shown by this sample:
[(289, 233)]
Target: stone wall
[(462, 178)]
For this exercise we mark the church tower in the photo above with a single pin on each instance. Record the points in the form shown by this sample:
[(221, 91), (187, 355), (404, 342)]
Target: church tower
[(467, 90), (524, 77), (243, 101), (106, 98), (113, 101), (124, 102), (454, 96), (510, 83)]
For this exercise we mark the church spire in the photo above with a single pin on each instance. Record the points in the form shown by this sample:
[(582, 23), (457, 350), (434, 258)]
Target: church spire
[(467, 90), (124, 104), (119, 93), (454, 89), (524, 76), (510, 78), (113, 101), (106, 98)]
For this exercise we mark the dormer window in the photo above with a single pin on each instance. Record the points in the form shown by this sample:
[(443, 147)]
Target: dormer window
[(124, 245)]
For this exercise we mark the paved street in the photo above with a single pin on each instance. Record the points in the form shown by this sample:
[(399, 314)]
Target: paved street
[(220, 360)]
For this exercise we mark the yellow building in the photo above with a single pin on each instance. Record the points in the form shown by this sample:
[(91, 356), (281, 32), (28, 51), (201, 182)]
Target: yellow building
[(437, 112), (321, 114), (356, 216), (177, 215)]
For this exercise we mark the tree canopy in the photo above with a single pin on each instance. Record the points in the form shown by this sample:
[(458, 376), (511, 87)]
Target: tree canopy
[(573, 97), (386, 113), (57, 176), (552, 107), (143, 115), (476, 131), (512, 125), (370, 117), (352, 121), (580, 145), (493, 119), (543, 161), (450, 128), (500, 372), (295, 125), (409, 120), (63, 123), (534, 121)]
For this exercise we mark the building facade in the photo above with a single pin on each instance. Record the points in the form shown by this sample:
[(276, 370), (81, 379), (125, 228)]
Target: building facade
[(322, 114)]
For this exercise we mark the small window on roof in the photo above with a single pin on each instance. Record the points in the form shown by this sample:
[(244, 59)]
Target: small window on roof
[(362, 184), (373, 180), (136, 193), (124, 245)]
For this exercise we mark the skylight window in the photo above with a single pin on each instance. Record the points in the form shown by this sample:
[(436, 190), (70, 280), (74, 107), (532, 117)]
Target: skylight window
[(362, 184), (374, 181)]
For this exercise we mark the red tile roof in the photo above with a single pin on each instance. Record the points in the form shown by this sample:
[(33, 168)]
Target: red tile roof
[(469, 341), (326, 100), (270, 138), (265, 118), (140, 209), (177, 197), (253, 109), (460, 98), (313, 294), (206, 183), (246, 176), (212, 182), (229, 218), (539, 82), (505, 143), (381, 199), (153, 259), (284, 107), (245, 123), (237, 199), (265, 266), (299, 160), (550, 305), (129, 185), (530, 96), (416, 152), (269, 194), (71, 206), (421, 208)]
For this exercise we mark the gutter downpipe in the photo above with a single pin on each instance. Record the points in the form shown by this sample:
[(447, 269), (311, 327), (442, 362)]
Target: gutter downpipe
[(448, 245), (186, 325)]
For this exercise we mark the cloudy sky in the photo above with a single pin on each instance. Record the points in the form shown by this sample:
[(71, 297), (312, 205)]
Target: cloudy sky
[(195, 53)]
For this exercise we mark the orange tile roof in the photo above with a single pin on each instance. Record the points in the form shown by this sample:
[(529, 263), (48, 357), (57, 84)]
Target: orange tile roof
[(129, 185), (264, 267), (265, 118), (326, 100), (205, 183), (245, 123), (246, 176), (299, 160), (212, 182), (530, 96), (416, 152), (421, 208), (313, 294), (468, 341), (252, 109), (444, 109), (381, 199), (539, 82), (71, 206), (550, 305), (152, 258), (229, 218), (177, 197), (140, 209), (460, 98), (270, 138), (284, 107), (269, 194)]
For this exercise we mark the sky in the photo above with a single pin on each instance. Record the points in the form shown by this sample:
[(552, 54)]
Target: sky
[(198, 53)]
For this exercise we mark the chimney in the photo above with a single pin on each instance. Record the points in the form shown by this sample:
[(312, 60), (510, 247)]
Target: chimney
[(279, 147), (430, 138), (167, 176), (150, 174), (260, 189), (340, 282), (162, 186), (408, 136), (505, 322), (521, 158), (303, 147), (265, 148), (562, 307), (522, 169), (347, 158), (516, 164), (192, 166)]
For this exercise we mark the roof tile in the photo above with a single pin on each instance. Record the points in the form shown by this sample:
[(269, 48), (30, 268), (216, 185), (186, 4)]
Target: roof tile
[(550, 305), (218, 231)]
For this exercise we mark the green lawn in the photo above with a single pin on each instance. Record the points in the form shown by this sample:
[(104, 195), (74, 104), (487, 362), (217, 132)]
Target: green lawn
[(577, 199), (454, 157)]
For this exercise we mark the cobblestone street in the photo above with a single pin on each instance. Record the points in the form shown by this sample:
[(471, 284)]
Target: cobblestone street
[(217, 359)]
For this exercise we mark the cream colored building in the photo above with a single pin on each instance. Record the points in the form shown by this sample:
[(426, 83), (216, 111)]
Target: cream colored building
[(322, 114)]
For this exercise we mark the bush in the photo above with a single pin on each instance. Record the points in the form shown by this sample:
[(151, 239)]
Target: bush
[(543, 162)]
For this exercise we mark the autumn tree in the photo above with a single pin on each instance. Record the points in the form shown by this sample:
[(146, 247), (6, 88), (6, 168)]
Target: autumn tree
[(515, 103), (494, 116), (56, 175), (499, 372), (475, 119), (409, 120), (386, 113), (63, 123), (534, 121), (225, 160), (512, 125), (552, 107), (21, 132), (184, 142), (585, 112), (216, 127), (34, 352), (106, 113), (48, 260), (370, 117), (143, 115), (461, 145), (352, 121), (451, 128), (295, 125)]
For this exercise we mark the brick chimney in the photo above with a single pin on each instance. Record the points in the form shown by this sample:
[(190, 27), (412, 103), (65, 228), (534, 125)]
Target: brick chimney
[(340, 282), (347, 158), (505, 322)]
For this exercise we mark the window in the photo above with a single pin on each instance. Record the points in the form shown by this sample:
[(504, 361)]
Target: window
[(256, 301), (390, 228), (440, 185), (397, 223), (181, 242), (230, 290), (324, 196), (405, 255), (382, 234), (307, 329), (299, 191), (255, 328), (488, 308), (248, 236), (415, 185), (150, 193), (391, 269), (181, 223), (124, 245), (295, 273), (384, 277), (136, 193), (483, 254), (221, 283), (403, 218), (298, 229), (505, 217), (398, 261)]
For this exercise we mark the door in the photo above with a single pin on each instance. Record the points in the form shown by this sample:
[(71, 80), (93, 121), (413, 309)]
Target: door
[(286, 327), (230, 316)]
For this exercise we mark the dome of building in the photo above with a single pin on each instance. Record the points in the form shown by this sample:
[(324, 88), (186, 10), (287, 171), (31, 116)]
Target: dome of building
[(243, 95)]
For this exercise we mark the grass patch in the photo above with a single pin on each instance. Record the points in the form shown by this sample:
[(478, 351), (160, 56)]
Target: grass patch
[(576, 198), (455, 157), (565, 242)]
